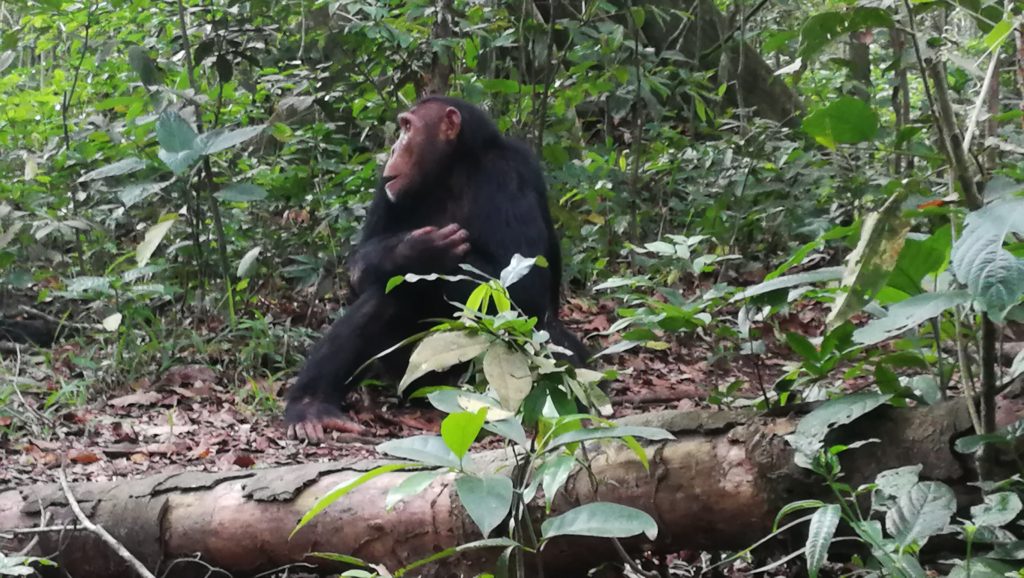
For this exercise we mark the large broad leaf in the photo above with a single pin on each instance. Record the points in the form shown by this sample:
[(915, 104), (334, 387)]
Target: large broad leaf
[(810, 432), (819, 537), (846, 120), (149, 243), (582, 435), (508, 373), (921, 513), (909, 314), (897, 481), (998, 510), (993, 275), (439, 351), (410, 486), (241, 193), (174, 133), (178, 146), (822, 29), (487, 500), (601, 520), (869, 265), (429, 450), (805, 278), (220, 139), (121, 167), (920, 258)]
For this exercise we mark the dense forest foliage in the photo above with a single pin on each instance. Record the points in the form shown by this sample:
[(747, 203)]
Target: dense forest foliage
[(761, 205)]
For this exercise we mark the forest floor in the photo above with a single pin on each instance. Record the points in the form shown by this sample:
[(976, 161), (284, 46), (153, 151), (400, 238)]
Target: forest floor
[(192, 417)]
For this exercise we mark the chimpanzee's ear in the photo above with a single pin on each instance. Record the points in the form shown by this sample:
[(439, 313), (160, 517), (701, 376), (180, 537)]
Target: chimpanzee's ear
[(451, 123)]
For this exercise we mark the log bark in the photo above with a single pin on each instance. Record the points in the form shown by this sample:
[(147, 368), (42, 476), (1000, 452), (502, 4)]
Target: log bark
[(717, 486)]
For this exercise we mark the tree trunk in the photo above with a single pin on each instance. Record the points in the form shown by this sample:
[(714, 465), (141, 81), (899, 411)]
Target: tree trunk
[(717, 486)]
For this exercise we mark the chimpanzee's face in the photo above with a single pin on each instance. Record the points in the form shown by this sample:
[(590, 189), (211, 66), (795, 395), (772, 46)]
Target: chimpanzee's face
[(427, 133)]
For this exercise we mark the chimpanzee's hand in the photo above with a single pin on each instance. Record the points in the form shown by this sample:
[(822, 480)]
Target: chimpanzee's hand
[(308, 420), (432, 250)]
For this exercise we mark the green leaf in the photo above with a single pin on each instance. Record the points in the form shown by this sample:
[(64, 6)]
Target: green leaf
[(554, 474), (581, 435), (993, 275), (177, 142), (819, 537), (921, 513), (439, 351), (487, 500), (220, 139), (896, 482), (6, 58), (410, 486), (426, 449), (154, 235), (869, 265), (519, 267), (121, 167), (846, 120), (810, 433), (477, 545), (920, 258), (908, 314), (802, 346), (601, 520), (459, 430), (136, 193), (795, 507), (822, 29), (241, 193), (998, 34), (143, 65), (785, 282), (174, 133), (343, 488), (508, 373), (248, 263), (998, 510)]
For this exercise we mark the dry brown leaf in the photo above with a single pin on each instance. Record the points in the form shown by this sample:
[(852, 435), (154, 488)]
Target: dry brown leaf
[(140, 398)]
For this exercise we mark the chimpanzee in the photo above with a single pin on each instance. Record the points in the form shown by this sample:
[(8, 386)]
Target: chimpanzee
[(454, 190)]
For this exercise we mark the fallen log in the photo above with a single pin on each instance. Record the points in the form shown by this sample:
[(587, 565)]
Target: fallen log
[(717, 486)]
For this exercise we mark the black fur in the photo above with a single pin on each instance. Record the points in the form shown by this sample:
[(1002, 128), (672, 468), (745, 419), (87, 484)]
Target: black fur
[(493, 187)]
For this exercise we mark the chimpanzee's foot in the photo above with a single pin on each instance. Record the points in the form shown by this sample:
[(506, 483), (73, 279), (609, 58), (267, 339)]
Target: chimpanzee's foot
[(308, 419)]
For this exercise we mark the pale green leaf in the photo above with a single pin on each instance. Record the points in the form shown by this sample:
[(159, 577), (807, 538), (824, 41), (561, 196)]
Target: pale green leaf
[(152, 239), (487, 500), (508, 373), (439, 351), (601, 520)]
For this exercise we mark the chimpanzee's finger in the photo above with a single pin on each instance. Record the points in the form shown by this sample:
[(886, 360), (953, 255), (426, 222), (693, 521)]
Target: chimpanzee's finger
[(462, 249), (423, 231), (291, 432), (450, 229), (343, 425)]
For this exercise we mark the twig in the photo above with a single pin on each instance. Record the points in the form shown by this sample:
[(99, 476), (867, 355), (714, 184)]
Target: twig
[(100, 532), (972, 124), (630, 562)]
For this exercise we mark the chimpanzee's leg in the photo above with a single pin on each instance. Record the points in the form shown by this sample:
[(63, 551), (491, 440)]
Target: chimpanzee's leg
[(367, 327)]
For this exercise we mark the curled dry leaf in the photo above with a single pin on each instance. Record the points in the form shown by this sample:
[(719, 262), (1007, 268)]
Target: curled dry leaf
[(83, 457)]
